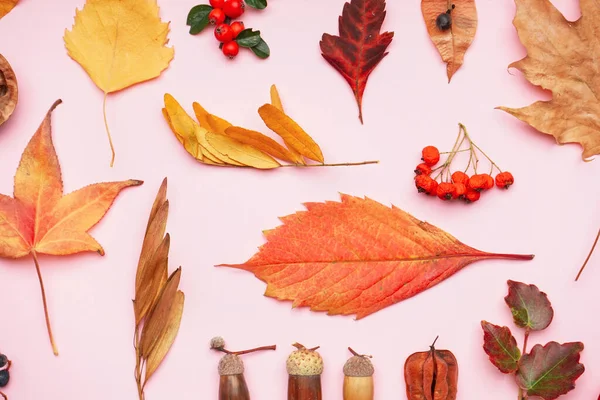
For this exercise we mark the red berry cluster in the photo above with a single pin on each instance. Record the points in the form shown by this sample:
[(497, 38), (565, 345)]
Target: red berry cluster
[(225, 33), (231, 34), (458, 185)]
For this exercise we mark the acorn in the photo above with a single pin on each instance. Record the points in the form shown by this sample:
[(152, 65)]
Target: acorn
[(304, 367), (232, 384), (358, 377)]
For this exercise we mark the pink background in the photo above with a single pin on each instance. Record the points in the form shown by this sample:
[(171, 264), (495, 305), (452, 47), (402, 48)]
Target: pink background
[(217, 214)]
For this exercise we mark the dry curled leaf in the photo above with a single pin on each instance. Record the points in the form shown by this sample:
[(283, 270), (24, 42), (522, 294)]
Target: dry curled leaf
[(158, 304), (40, 219), (119, 43), (452, 43), (9, 92), (215, 141), (360, 46), (357, 257), (562, 57), (6, 6)]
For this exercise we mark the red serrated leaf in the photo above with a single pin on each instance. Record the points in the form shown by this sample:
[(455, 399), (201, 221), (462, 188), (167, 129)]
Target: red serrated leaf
[(357, 257), (501, 347), (360, 46), (551, 370)]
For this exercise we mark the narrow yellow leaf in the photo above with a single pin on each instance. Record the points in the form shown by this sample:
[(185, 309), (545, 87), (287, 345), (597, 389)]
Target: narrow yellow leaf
[(158, 320), (188, 131), (293, 135), (276, 102), (240, 152), (152, 281), (209, 121), (262, 143), (158, 354), (275, 99), (216, 157)]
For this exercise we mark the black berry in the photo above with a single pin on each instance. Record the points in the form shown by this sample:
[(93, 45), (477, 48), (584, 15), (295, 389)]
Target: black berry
[(4, 377), (443, 21), (3, 360)]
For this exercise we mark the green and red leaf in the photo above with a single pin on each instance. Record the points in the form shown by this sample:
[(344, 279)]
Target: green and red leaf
[(357, 256), (550, 371), (501, 347), (530, 307), (360, 45)]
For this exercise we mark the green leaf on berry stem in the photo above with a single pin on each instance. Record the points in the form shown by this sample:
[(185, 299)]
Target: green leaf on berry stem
[(258, 4), (198, 18), (261, 49), (501, 347), (550, 371), (530, 307), (247, 38)]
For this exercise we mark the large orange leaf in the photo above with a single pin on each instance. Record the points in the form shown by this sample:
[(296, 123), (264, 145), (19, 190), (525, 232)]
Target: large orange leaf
[(357, 257), (40, 219)]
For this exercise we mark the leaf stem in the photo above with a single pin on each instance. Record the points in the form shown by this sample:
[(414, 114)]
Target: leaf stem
[(527, 331), (331, 165), (588, 256), (112, 148), (48, 326), (138, 363)]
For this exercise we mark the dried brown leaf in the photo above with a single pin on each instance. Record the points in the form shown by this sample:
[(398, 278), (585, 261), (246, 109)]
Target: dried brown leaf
[(263, 143), (152, 281), (9, 92), (158, 321), (168, 336), (293, 135), (240, 152), (155, 233)]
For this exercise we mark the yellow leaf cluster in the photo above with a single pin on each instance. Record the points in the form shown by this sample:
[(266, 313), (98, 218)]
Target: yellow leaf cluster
[(215, 141), (158, 304)]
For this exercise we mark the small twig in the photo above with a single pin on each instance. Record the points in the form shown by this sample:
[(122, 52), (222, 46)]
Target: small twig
[(354, 353), (588, 256), (331, 165), (112, 148)]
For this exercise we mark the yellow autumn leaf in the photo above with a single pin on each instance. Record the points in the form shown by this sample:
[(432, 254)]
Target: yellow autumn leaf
[(119, 43), (240, 152), (263, 143), (276, 102), (6, 6), (209, 121), (192, 135), (275, 99), (293, 135)]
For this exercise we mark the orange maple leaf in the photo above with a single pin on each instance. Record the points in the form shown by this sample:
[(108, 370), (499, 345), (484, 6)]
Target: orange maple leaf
[(40, 219), (357, 257)]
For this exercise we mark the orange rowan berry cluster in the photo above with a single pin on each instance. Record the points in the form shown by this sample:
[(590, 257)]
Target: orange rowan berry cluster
[(448, 185)]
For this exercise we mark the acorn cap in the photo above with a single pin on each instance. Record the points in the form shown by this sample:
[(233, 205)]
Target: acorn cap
[(230, 364), (359, 366), (304, 362), (217, 342)]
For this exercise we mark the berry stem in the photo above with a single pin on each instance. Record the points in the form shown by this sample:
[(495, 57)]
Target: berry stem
[(446, 165), (331, 165), (481, 151), (48, 326), (112, 148), (588, 256)]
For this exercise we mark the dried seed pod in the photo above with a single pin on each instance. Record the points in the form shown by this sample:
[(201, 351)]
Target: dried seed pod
[(9, 93), (232, 384), (304, 367), (358, 377), (431, 375)]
